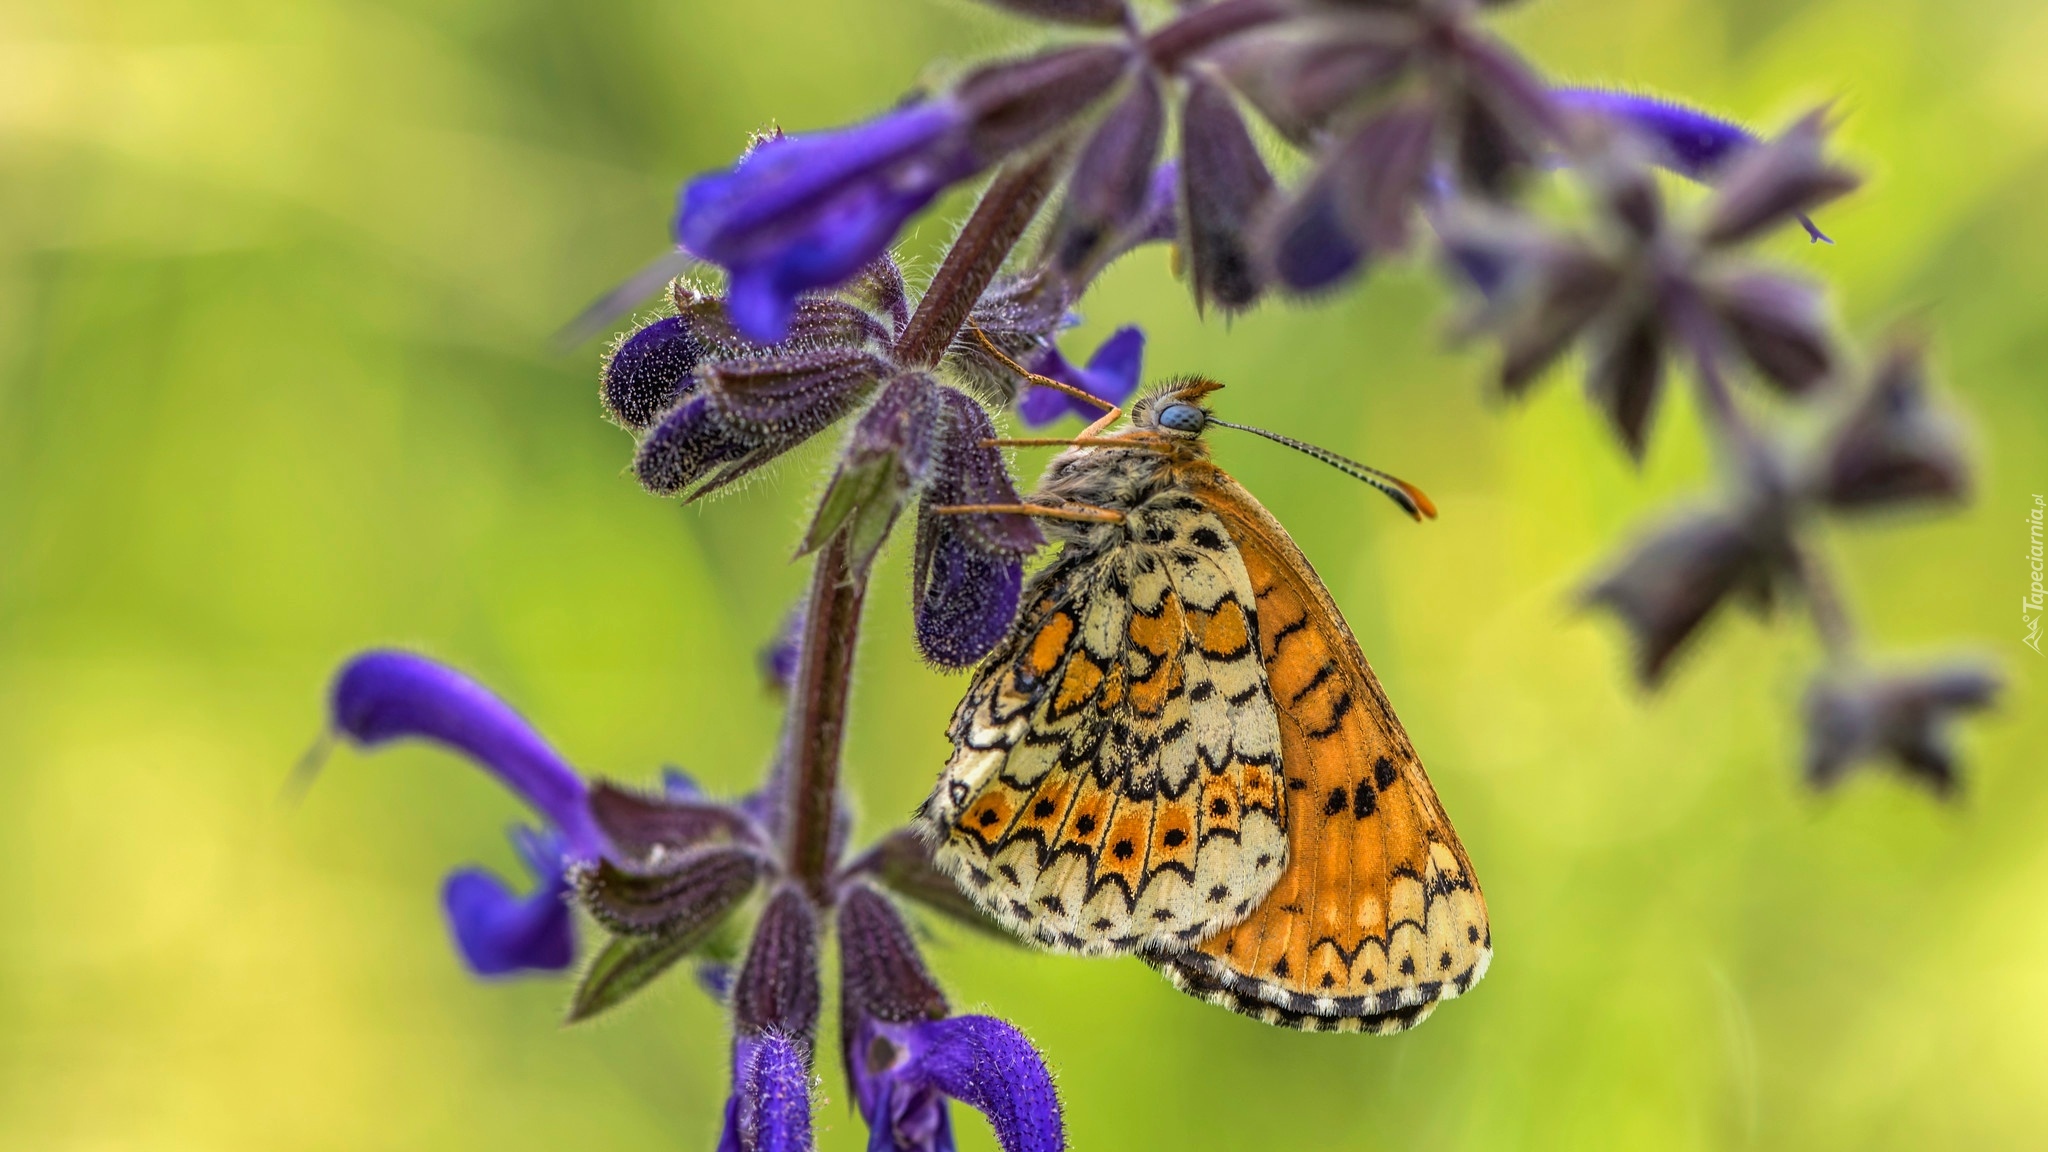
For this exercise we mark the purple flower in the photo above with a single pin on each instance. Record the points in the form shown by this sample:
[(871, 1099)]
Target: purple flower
[(770, 1106), (801, 213), (388, 695), (968, 573), (1112, 373), (902, 1074), (1686, 140)]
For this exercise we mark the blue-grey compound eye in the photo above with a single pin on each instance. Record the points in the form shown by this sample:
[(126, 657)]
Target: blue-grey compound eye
[(1183, 418)]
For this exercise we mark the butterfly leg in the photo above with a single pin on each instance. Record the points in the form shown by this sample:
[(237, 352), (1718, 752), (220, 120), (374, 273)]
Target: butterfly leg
[(1083, 512)]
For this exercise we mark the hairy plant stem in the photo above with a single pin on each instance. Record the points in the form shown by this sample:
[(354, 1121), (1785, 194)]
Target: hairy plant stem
[(977, 254), (815, 728)]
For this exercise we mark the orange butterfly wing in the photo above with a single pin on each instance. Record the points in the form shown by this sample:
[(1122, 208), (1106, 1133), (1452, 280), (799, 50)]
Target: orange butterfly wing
[(1378, 915)]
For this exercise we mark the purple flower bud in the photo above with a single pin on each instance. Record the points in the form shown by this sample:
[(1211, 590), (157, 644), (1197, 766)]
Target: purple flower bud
[(883, 976), (745, 413), (777, 989), (1625, 375), (1113, 373), (675, 895), (902, 1071), (1666, 587), (500, 932), (1895, 447), (770, 1106), (1782, 180), (1359, 202), (1018, 314), (1013, 104), (644, 829), (810, 212), (1106, 194), (1224, 184), (1903, 717), (1102, 13), (778, 659), (1502, 115), (649, 370), (1300, 74), (1781, 326), (968, 573)]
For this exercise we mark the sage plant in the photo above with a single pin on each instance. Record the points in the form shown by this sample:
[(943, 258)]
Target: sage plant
[(1422, 135)]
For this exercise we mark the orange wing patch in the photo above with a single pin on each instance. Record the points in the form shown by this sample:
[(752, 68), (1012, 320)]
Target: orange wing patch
[(1114, 785), (1378, 915)]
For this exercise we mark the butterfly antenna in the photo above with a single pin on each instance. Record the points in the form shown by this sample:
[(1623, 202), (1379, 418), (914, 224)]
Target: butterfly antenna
[(1411, 499)]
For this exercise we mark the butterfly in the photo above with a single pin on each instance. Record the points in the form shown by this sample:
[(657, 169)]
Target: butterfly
[(1179, 751)]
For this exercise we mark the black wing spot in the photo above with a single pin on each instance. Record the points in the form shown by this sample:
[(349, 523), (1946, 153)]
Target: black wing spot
[(1329, 979), (1363, 801), (1205, 537), (1336, 802), (1280, 967), (1103, 924), (1042, 809), (1220, 806), (1085, 825), (1161, 915), (1472, 933), (1123, 850), (1174, 838), (1444, 961), (1383, 773), (1054, 905), (1219, 893), (988, 817), (1265, 858), (1323, 673), (1407, 965), (1339, 708)]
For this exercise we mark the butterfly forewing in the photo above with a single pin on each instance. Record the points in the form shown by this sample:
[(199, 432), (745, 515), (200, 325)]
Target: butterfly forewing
[(1378, 915), (1115, 782)]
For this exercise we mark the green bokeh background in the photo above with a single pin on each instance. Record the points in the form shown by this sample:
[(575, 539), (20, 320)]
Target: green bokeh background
[(276, 281)]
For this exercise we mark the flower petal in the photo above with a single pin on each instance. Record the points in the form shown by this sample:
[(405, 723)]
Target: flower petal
[(388, 695), (777, 989), (770, 1106), (809, 212), (965, 602), (500, 932), (1113, 373), (989, 1066), (649, 370)]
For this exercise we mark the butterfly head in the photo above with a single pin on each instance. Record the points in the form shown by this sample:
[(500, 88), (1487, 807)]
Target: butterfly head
[(1176, 410)]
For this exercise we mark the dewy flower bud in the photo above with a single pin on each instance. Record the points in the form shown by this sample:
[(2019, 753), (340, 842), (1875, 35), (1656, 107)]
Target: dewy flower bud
[(1895, 447), (1224, 184), (1902, 717), (648, 370), (1106, 195), (777, 989)]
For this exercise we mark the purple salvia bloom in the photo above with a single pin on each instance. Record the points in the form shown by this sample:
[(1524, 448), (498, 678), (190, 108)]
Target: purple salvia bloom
[(802, 213), (650, 369), (968, 573), (770, 1106), (904, 1070), (388, 695), (1112, 374), (1686, 140)]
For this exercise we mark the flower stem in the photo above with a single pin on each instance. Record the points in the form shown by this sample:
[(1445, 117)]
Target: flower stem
[(977, 254), (816, 725)]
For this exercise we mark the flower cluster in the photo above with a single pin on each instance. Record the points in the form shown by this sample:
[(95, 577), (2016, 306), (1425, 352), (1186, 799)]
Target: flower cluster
[(1419, 128), (664, 874)]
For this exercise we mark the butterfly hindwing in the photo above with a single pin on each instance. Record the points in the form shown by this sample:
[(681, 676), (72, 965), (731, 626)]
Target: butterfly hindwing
[(1115, 781), (1378, 915)]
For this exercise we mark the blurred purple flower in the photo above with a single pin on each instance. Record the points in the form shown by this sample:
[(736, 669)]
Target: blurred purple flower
[(383, 696), (1112, 373), (1689, 141), (800, 213)]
